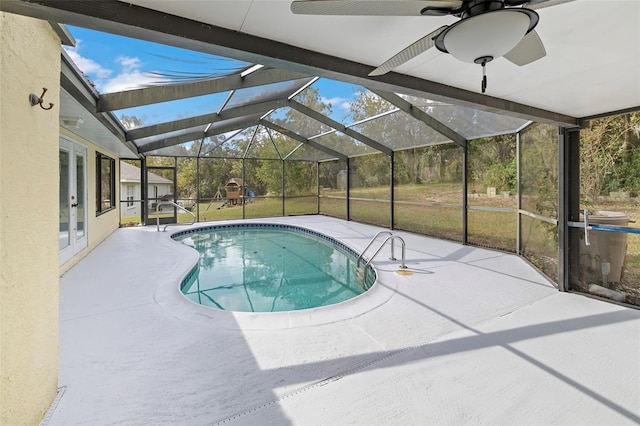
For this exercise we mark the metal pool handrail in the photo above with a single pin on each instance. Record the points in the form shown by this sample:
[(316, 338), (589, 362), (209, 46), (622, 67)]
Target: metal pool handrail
[(391, 238), (371, 242), (361, 272), (170, 224)]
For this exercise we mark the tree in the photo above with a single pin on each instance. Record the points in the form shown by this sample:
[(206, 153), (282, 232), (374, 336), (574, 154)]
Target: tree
[(130, 121), (539, 169), (434, 159), (300, 176), (306, 127), (329, 173), (187, 178), (214, 174), (609, 156), (492, 162)]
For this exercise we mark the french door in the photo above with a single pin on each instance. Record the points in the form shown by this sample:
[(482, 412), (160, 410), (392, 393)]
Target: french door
[(72, 235)]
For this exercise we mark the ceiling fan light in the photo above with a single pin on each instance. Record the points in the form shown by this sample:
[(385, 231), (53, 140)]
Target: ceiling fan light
[(489, 34)]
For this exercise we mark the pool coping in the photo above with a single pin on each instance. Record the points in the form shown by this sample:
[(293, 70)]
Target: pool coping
[(169, 296)]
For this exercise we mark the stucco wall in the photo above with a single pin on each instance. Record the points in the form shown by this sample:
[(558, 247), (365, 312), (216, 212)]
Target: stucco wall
[(30, 60), (98, 227)]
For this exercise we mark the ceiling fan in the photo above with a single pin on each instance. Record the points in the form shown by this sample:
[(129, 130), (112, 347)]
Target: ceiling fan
[(487, 29)]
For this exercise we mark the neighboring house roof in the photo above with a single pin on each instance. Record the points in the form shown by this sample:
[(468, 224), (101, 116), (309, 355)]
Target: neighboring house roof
[(131, 174)]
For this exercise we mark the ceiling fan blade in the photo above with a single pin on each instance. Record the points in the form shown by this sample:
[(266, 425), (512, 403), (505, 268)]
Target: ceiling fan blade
[(539, 4), (369, 7), (410, 52), (529, 49)]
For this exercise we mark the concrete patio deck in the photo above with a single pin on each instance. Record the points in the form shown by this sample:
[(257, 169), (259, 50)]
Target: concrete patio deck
[(472, 337)]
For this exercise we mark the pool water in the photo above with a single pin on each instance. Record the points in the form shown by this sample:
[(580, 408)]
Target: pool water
[(269, 268)]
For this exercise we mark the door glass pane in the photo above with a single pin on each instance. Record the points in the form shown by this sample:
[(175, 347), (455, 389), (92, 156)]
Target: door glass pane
[(80, 194), (63, 235)]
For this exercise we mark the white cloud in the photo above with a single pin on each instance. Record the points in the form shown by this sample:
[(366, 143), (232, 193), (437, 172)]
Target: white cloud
[(128, 63), (127, 80), (129, 76), (338, 103), (91, 68)]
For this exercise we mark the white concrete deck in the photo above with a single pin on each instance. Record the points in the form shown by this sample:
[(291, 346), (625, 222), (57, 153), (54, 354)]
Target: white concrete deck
[(473, 337)]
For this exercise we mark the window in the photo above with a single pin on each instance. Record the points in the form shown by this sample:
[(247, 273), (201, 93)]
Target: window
[(105, 183), (130, 192)]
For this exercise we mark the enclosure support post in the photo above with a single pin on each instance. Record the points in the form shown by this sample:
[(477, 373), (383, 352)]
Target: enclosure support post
[(283, 186), (392, 190), (568, 205), (518, 198), (465, 202), (175, 188), (242, 190), (144, 196), (348, 188), (197, 206), (318, 187)]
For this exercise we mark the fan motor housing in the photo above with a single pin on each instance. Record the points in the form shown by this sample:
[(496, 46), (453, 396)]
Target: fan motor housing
[(477, 7)]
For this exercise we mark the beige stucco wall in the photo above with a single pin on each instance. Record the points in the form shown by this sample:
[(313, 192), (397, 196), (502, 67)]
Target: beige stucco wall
[(30, 60), (99, 227)]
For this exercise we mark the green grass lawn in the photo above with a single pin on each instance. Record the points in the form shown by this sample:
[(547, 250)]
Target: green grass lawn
[(260, 207)]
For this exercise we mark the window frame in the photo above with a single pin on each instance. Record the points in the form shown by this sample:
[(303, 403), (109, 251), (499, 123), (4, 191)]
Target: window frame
[(100, 157), (130, 196)]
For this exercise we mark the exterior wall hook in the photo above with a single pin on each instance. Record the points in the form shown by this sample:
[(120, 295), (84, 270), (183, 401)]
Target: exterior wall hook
[(37, 100)]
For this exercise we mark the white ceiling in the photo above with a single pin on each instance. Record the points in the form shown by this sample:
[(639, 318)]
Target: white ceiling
[(592, 64), (90, 128)]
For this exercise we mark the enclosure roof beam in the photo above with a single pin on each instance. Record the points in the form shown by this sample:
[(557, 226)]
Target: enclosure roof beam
[(302, 139), (221, 127), (339, 126), (187, 123), (585, 120), (147, 24), (64, 34), (171, 92), (420, 115)]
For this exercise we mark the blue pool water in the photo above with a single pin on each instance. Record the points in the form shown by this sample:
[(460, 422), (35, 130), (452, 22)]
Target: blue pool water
[(269, 268)]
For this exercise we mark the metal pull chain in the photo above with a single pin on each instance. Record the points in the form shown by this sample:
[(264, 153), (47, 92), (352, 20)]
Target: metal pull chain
[(483, 61), (484, 77)]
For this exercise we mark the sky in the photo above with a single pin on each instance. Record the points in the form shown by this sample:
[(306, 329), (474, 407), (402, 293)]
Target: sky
[(115, 63)]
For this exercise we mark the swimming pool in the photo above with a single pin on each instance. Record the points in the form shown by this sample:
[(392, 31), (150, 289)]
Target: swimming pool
[(269, 268)]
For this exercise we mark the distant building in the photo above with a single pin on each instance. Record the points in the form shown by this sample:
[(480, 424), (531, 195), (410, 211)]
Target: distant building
[(130, 188)]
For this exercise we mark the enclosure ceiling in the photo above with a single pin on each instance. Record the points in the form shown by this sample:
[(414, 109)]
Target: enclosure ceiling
[(431, 92), (193, 113), (588, 71)]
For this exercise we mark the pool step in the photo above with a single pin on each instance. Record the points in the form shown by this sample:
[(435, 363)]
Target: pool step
[(360, 272), (361, 276)]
